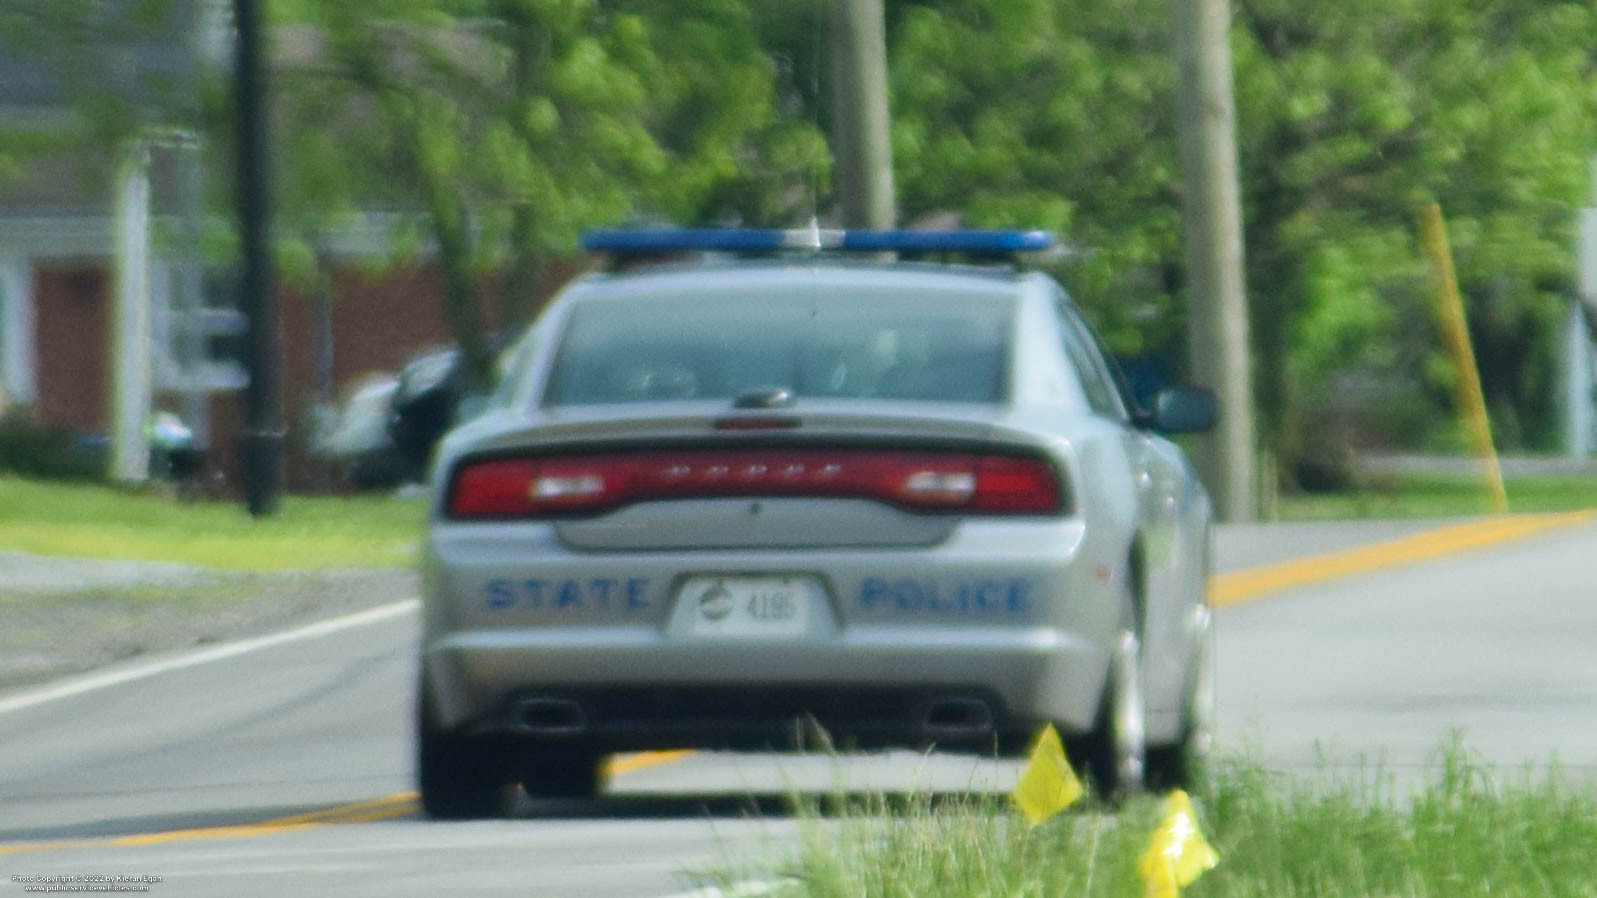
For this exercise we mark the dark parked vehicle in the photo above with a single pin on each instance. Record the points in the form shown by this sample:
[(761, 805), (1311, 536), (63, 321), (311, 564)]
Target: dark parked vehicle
[(423, 406)]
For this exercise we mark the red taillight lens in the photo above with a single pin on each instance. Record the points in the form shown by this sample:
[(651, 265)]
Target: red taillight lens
[(493, 489), (511, 488), (930, 481), (1018, 485)]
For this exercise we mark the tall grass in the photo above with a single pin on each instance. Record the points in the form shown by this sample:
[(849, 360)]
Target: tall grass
[(1462, 833)]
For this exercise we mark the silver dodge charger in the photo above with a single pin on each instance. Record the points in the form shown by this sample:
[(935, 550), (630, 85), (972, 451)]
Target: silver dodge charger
[(763, 489)]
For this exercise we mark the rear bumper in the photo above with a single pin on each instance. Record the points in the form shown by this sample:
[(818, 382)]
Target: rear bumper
[(872, 686), (762, 717), (908, 650)]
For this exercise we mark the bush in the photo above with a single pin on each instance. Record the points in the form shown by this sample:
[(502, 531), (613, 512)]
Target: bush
[(30, 448)]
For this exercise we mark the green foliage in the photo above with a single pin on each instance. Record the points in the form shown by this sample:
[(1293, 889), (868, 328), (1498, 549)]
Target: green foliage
[(1462, 831), (1349, 113), (732, 155), (75, 112), (507, 126), (514, 124), (1050, 114), (1061, 114), (31, 449)]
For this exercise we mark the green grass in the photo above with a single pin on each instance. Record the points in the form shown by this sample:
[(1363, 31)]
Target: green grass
[(1439, 495), (50, 518), (1461, 834)]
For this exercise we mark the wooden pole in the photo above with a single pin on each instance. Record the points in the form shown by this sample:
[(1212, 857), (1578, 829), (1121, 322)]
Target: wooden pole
[(1455, 335), (860, 138), (1217, 312)]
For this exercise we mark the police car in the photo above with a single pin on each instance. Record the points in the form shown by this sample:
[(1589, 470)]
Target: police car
[(745, 488)]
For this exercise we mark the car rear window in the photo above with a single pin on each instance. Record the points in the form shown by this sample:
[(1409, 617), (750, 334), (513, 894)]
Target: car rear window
[(933, 348)]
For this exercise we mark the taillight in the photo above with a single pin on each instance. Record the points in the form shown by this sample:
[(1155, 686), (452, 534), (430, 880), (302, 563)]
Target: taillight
[(519, 488), (493, 489), (1005, 483), (923, 481)]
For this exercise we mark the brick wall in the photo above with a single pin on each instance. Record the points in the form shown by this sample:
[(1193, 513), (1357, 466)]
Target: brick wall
[(379, 320), (72, 344)]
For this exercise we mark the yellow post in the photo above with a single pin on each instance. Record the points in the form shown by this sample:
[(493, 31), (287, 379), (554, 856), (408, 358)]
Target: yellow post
[(1455, 333)]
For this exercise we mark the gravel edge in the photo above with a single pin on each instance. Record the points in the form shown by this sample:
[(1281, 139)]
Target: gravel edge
[(84, 615)]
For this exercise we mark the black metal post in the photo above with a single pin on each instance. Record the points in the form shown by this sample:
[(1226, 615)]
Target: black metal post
[(262, 440)]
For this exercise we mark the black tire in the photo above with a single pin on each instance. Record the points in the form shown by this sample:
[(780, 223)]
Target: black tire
[(458, 778), (561, 773), (1116, 754), (1183, 765)]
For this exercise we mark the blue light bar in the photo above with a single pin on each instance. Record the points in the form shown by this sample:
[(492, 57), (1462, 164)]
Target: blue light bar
[(752, 240), (975, 242)]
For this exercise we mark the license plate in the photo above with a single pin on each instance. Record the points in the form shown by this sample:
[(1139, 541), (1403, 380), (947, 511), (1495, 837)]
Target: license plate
[(750, 606)]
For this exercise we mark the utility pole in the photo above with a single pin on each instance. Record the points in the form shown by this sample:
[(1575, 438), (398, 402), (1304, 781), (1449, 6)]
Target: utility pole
[(262, 442), (130, 446), (860, 121), (1217, 312), (1578, 364), (1578, 382)]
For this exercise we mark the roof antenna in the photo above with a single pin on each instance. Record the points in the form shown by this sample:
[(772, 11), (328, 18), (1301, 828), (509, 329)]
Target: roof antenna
[(812, 236)]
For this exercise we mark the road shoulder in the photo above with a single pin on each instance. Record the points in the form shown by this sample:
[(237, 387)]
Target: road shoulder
[(48, 629)]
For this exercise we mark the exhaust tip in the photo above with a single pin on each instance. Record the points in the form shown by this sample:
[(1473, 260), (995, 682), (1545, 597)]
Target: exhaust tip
[(549, 717)]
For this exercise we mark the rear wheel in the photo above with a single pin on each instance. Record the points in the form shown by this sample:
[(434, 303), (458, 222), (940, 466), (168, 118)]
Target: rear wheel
[(458, 778), (1116, 754), (1180, 765)]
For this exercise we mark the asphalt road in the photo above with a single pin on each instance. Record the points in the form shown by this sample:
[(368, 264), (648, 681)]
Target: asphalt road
[(284, 770)]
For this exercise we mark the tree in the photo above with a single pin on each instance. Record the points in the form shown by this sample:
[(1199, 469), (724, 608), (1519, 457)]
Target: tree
[(513, 124), (86, 76), (1061, 115), (503, 127), (1352, 112), (1058, 115)]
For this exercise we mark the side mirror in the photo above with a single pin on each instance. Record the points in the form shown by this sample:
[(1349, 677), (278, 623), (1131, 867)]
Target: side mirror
[(1184, 410)]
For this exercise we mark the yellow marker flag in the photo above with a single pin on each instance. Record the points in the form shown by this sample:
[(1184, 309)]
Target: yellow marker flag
[(1178, 853), (1048, 785)]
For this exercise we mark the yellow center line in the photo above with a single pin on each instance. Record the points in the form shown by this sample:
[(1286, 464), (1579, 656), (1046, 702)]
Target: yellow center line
[(1224, 590), (1246, 585), (396, 805), (206, 832), (623, 764), (400, 804), (336, 815), (413, 806)]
